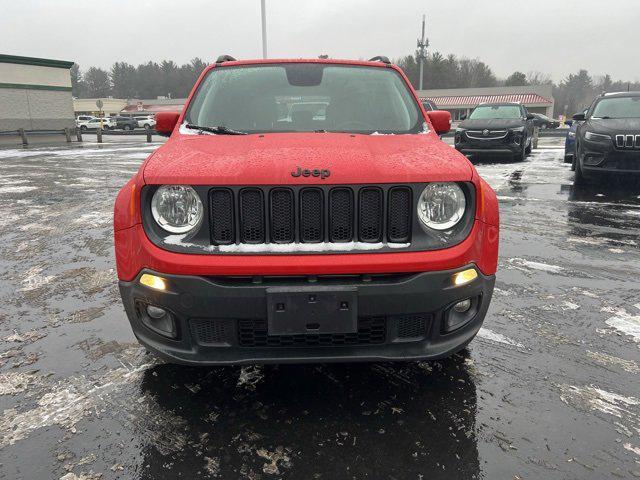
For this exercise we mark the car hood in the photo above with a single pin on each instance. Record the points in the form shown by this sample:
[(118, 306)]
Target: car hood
[(614, 125), (270, 159), (494, 124)]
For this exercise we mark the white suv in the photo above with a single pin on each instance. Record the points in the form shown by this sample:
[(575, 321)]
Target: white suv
[(94, 123), (147, 122)]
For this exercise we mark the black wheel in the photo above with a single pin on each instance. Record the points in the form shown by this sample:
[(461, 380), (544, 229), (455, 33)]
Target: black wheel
[(127, 127), (580, 178), (83, 128), (568, 159), (527, 150), (519, 157), (147, 126)]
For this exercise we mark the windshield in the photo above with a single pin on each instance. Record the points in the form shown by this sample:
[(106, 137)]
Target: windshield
[(620, 107), (305, 97), (495, 112)]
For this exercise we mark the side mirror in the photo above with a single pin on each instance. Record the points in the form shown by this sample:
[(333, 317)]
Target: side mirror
[(580, 117), (568, 122), (166, 122), (463, 116), (530, 116), (440, 120)]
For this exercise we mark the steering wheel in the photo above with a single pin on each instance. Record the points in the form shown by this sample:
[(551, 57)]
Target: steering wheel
[(354, 123)]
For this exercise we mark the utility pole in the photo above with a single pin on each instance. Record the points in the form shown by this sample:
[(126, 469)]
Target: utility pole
[(422, 46), (264, 29)]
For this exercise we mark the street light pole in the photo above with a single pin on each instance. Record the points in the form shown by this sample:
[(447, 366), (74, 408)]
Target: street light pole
[(264, 29), (422, 45)]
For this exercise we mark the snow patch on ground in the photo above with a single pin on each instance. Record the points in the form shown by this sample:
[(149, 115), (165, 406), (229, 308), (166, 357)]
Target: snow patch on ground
[(17, 189), (12, 383), (498, 337), (624, 322), (594, 398), (522, 263), (34, 279), (609, 360), (65, 405)]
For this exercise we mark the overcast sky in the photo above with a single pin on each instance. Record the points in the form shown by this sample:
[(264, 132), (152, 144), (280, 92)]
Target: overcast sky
[(551, 36)]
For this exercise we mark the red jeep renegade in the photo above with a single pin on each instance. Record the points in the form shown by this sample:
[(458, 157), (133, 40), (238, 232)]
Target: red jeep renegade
[(305, 211)]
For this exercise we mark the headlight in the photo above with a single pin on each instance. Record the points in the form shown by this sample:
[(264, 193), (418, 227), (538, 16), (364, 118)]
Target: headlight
[(572, 134), (596, 137), (441, 205), (518, 129), (176, 208)]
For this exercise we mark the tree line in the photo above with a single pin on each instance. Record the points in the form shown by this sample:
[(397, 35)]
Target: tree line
[(153, 79), (573, 94), (147, 80)]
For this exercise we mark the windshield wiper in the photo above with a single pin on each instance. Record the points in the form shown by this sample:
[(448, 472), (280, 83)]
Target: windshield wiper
[(219, 130)]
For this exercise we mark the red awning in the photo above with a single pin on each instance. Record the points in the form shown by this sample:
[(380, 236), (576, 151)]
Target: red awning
[(459, 101)]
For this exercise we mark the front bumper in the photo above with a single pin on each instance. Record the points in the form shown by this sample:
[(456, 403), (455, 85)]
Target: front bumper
[(222, 320), (489, 147), (598, 159)]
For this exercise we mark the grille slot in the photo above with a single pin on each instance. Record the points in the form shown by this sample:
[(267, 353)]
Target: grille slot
[(212, 332), (252, 216), (628, 141), (311, 215), (399, 215), (370, 215), (340, 215), (411, 326), (282, 215), (371, 331), (222, 216)]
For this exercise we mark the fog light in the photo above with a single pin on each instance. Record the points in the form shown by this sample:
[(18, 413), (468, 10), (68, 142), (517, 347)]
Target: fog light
[(153, 281), (464, 277), (593, 160), (156, 312), (159, 320), (462, 306)]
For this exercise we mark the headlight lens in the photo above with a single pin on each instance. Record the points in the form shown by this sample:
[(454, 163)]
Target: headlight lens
[(441, 205), (596, 137), (177, 208), (518, 129), (572, 134)]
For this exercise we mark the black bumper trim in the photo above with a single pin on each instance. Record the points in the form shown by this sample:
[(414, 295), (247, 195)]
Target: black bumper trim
[(193, 297)]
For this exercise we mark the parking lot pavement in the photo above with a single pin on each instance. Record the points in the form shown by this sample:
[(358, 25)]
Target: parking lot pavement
[(549, 388)]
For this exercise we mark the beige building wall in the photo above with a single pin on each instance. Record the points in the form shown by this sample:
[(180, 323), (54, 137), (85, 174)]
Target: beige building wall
[(35, 94)]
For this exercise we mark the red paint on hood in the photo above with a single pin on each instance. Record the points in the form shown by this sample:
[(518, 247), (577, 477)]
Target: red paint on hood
[(269, 159)]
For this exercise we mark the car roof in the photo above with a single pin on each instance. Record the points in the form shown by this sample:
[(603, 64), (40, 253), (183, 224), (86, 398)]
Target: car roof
[(326, 61), (620, 94)]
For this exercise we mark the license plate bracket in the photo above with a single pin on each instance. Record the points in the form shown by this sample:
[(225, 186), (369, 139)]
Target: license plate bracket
[(312, 310)]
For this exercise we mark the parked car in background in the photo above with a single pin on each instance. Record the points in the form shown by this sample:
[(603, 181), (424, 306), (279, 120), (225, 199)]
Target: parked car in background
[(543, 122), (496, 129), (147, 122), (125, 123), (83, 119), (429, 106), (107, 124), (608, 139), (570, 140)]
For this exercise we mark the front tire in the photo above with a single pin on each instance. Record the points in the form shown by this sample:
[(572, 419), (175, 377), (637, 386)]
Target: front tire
[(127, 127), (83, 128)]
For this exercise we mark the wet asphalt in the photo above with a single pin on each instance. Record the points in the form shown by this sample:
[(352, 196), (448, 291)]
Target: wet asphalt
[(548, 390)]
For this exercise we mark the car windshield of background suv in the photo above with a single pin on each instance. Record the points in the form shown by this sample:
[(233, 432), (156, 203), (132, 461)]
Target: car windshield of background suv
[(496, 112), (301, 97), (621, 107)]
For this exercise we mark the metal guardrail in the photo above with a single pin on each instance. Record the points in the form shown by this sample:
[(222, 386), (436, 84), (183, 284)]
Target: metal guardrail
[(25, 134)]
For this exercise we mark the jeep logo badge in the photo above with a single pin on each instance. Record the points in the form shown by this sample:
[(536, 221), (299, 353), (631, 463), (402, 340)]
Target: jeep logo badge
[(305, 172)]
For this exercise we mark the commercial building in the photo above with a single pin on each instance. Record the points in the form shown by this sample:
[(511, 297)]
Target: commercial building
[(460, 101), (88, 106), (35, 94)]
